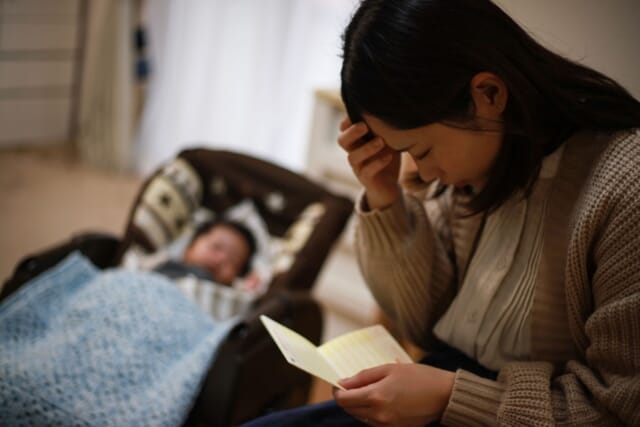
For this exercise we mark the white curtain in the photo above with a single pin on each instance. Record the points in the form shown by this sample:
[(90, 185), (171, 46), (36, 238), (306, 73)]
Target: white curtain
[(107, 98), (238, 75)]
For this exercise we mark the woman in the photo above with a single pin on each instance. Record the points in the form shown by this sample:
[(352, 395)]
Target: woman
[(517, 268)]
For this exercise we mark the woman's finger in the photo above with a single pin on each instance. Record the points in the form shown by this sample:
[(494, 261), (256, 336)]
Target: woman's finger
[(358, 156), (355, 398), (345, 123), (349, 137), (373, 166), (366, 377)]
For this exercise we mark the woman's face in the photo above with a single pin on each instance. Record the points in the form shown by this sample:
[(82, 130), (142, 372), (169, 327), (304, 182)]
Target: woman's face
[(456, 156)]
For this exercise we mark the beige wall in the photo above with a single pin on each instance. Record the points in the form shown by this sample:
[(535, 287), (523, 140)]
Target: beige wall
[(604, 34)]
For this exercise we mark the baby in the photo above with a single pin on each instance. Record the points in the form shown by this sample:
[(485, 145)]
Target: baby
[(219, 251)]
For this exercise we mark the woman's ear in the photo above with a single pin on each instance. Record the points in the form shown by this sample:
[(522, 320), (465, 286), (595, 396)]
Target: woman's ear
[(489, 94)]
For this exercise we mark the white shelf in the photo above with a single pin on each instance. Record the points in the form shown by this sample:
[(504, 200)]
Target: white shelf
[(340, 289), (326, 161)]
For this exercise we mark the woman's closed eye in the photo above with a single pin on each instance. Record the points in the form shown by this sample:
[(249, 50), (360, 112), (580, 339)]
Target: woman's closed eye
[(421, 156)]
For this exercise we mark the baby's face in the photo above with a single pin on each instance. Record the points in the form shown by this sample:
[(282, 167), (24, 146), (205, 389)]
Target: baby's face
[(222, 251)]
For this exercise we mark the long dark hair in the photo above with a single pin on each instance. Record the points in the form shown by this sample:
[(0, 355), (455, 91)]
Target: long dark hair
[(410, 63)]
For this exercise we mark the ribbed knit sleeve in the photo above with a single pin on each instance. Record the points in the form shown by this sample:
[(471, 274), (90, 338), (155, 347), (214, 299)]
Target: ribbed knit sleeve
[(406, 266), (474, 401), (601, 386), (603, 295)]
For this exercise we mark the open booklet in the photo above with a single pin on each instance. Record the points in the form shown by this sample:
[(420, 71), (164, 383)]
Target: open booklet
[(342, 356)]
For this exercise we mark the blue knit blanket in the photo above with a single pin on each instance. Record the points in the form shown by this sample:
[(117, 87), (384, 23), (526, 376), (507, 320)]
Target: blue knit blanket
[(85, 347)]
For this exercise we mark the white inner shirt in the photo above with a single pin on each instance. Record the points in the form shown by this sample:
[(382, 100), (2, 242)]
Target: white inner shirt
[(489, 319)]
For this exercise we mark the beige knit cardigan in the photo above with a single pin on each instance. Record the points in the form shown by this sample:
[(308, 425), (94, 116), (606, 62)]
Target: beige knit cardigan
[(585, 367)]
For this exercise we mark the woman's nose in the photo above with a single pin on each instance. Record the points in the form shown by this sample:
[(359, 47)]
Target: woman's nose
[(428, 174)]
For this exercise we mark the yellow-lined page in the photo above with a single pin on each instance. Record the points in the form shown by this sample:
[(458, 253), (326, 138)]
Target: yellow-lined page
[(365, 348), (300, 352)]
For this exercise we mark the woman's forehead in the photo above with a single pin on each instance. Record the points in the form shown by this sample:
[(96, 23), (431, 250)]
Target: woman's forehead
[(397, 139)]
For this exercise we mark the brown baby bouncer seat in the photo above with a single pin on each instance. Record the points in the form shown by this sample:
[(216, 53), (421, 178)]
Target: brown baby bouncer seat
[(248, 376)]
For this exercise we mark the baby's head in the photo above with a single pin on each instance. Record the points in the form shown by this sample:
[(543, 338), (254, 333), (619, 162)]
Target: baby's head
[(224, 248)]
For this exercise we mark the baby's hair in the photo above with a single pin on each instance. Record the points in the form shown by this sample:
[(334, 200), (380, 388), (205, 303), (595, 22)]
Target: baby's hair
[(238, 227)]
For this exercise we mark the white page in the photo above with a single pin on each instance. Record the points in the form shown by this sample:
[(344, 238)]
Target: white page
[(365, 348), (300, 352)]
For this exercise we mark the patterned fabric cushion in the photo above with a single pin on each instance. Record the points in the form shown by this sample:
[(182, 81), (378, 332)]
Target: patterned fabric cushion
[(166, 206), (169, 210), (303, 219)]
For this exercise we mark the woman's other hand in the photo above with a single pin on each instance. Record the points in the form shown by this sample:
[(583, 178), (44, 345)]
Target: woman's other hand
[(398, 394), (375, 165)]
